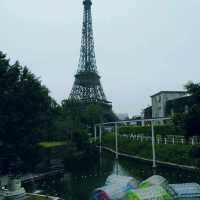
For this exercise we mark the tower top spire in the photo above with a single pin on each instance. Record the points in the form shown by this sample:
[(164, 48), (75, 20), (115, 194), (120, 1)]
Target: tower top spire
[(87, 4)]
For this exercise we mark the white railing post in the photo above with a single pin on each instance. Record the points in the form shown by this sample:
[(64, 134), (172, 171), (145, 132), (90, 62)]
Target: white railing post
[(165, 140), (116, 141), (143, 124), (153, 144), (100, 138), (182, 140), (192, 140)]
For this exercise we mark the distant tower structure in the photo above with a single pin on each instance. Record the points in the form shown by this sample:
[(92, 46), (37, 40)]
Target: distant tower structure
[(87, 86)]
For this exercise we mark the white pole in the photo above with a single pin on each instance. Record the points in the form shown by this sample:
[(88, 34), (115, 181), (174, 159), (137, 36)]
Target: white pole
[(100, 133), (95, 133), (192, 140), (153, 144), (143, 123), (116, 140), (165, 140), (182, 141), (173, 140)]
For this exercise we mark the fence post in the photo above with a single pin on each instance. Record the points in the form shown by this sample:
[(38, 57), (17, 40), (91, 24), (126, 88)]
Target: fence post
[(173, 140), (143, 124), (165, 140), (100, 138), (158, 140), (182, 141), (192, 140), (153, 144), (116, 141)]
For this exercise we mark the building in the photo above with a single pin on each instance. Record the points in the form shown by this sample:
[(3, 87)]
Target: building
[(160, 99)]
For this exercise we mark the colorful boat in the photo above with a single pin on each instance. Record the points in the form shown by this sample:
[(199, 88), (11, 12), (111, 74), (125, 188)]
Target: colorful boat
[(154, 188)]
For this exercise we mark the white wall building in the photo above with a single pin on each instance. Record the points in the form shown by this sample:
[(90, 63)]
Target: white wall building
[(159, 101)]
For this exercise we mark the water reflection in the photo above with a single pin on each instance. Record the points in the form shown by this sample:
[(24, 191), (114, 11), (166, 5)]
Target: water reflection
[(79, 184)]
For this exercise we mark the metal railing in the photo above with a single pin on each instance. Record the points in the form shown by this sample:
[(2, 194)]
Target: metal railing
[(116, 125), (168, 139)]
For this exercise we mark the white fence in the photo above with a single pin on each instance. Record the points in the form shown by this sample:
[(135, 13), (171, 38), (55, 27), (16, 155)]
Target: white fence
[(170, 139)]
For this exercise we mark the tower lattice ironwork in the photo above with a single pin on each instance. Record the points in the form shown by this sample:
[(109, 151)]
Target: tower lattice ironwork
[(87, 86)]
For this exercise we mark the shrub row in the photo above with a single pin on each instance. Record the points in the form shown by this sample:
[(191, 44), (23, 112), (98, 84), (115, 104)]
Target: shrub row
[(146, 130), (180, 154)]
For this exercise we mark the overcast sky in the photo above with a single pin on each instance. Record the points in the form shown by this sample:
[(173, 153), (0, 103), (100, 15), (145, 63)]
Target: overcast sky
[(142, 46)]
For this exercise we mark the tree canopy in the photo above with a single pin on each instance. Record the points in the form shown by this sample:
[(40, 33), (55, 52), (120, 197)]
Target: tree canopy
[(26, 109), (192, 118), (29, 115)]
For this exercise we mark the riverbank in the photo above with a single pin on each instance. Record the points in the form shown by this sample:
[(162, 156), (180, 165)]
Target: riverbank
[(174, 155)]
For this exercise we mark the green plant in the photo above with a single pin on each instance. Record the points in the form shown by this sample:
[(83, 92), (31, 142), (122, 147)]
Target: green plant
[(146, 130), (179, 154)]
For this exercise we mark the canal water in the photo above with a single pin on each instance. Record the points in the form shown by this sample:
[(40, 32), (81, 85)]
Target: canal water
[(79, 183)]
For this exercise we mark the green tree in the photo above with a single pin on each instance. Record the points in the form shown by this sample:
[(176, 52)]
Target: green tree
[(26, 109), (179, 123), (192, 118), (72, 115)]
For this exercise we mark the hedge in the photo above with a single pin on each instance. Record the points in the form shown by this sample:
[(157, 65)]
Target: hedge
[(146, 130), (180, 154)]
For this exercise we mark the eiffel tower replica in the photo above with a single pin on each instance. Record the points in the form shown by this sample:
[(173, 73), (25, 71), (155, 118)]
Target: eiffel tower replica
[(87, 87)]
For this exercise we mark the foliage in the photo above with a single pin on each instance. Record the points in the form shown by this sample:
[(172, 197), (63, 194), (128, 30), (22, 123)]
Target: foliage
[(179, 122), (94, 113), (195, 153), (80, 116), (194, 90), (27, 112), (75, 157), (179, 105), (30, 116), (146, 130), (192, 119), (179, 154), (187, 122)]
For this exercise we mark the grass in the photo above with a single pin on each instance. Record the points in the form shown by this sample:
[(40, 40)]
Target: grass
[(179, 154), (48, 145)]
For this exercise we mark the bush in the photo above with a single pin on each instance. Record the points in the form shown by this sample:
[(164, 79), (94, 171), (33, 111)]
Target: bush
[(179, 154), (146, 130), (195, 152)]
